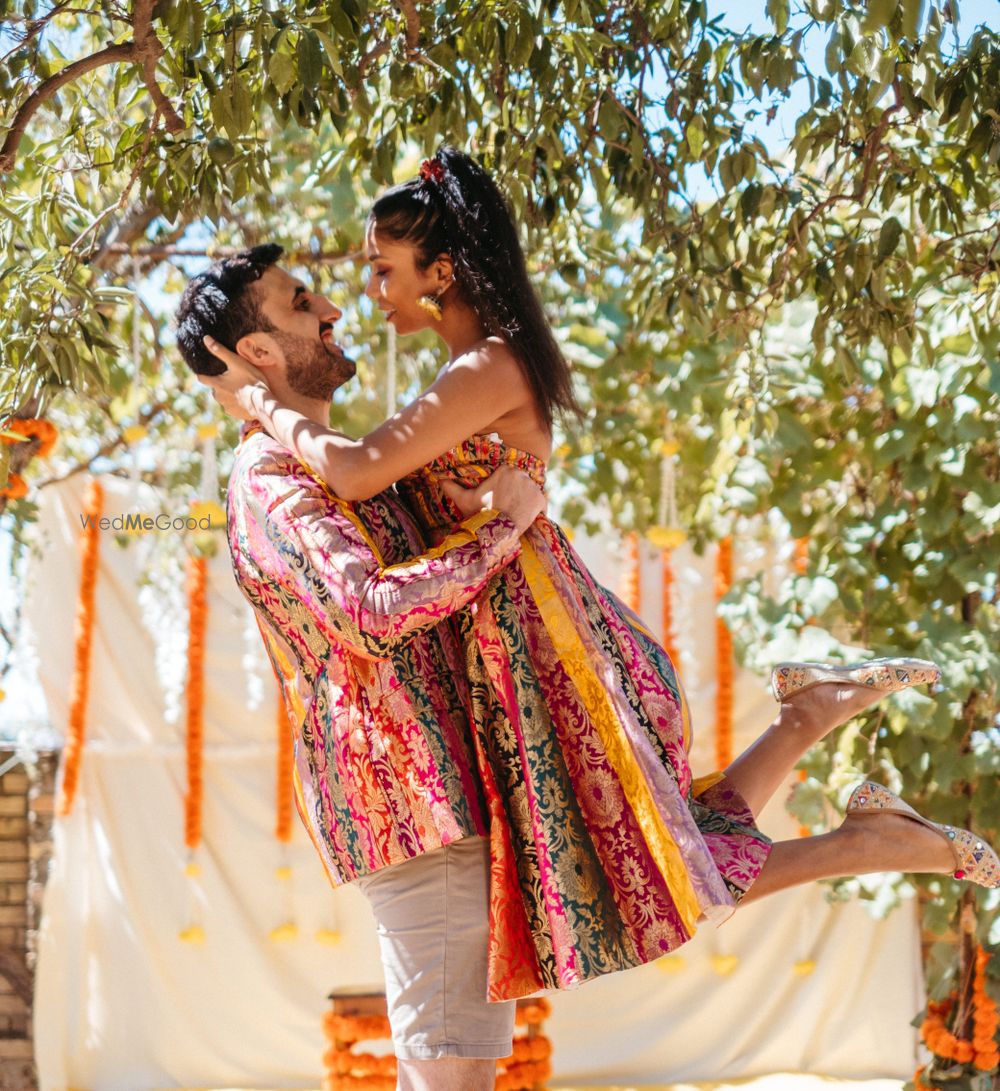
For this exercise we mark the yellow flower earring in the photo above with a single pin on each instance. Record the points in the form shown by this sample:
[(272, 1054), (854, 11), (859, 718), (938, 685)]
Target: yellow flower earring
[(431, 303)]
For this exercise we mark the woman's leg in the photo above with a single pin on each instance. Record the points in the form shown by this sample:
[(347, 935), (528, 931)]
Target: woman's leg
[(863, 844), (803, 719)]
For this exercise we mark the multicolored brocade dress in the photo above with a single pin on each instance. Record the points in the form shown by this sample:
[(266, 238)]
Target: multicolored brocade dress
[(604, 854)]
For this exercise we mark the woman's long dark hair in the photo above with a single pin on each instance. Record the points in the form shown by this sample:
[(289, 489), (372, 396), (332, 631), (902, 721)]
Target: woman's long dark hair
[(455, 208)]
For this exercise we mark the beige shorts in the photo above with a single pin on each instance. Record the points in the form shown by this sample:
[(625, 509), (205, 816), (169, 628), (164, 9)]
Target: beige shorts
[(432, 914)]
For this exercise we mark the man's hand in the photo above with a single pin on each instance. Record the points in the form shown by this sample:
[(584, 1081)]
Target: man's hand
[(507, 489)]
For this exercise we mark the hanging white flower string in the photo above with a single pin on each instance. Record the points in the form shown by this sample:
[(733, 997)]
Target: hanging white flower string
[(667, 515), (288, 929), (209, 487), (667, 534), (330, 934), (135, 432), (805, 964)]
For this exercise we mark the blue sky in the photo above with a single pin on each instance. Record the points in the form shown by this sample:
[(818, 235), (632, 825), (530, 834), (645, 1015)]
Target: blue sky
[(753, 16)]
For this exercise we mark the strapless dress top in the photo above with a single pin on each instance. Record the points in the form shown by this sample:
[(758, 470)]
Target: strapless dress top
[(473, 460)]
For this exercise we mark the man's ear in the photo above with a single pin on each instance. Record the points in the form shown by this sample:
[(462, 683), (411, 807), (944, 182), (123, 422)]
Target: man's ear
[(255, 348)]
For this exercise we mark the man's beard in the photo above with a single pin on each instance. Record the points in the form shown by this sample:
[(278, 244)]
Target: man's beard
[(311, 369)]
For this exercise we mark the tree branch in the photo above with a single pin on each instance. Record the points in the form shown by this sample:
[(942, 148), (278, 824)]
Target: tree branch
[(409, 10), (48, 88), (370, 57), (144, 50), (148, 52)]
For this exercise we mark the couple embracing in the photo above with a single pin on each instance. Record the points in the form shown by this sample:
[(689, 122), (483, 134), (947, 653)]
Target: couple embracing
[(487, 741)]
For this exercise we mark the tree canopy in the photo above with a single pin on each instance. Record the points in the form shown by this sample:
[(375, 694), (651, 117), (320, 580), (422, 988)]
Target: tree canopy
[(813, 321)]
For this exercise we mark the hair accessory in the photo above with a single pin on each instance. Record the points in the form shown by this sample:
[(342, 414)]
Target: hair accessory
[(432, 168)]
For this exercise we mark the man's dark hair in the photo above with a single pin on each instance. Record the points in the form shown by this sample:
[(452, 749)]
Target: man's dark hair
[(220, 303)]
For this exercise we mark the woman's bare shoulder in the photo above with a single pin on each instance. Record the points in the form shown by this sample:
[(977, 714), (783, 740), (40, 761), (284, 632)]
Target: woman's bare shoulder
[(494, 356)]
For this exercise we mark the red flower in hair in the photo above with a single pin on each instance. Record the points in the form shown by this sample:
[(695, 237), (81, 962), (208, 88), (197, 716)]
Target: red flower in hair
[(432, 168)]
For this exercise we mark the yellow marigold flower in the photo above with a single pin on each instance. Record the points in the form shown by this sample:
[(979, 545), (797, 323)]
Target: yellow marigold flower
[(284, 932), (724, 965), (666, 537)]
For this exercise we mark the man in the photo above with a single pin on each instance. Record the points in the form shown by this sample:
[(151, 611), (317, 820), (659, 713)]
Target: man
[(349, 606)]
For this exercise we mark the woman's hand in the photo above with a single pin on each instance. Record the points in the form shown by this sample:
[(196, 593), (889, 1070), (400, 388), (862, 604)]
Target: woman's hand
[(233, 389)]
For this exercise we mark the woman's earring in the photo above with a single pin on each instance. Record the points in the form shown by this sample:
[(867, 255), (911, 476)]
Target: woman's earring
[(432, 305)]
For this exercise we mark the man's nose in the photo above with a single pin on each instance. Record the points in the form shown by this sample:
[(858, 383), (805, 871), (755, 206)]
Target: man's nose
[(328, 312)]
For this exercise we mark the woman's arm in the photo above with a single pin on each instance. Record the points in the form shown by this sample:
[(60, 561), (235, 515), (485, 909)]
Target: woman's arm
[(467, 397)]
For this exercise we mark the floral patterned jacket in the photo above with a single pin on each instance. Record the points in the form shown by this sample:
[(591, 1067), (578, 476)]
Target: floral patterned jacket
[(349, 604)]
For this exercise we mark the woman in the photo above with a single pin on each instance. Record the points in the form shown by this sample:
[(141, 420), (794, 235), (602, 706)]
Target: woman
[(607, 852)]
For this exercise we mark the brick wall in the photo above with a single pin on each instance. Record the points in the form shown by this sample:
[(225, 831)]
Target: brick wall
[(26, 811)]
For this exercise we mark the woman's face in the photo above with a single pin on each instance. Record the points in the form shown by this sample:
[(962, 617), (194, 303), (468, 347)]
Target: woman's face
[(396, 283)]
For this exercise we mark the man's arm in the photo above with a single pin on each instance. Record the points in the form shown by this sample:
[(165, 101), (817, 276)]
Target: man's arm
[(314, 545)]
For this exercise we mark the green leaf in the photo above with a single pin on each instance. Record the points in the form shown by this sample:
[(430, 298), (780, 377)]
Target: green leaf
[(911, 18), (888, 238), (240, 107), (332, 53), (777, 12), (310, 59), (282, 70), (880, 13), (696, 136)]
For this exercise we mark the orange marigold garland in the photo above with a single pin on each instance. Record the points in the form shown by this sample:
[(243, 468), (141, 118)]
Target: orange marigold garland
[(632, 584), (918, 1081), (528, 1065), (283, 787), (800, 561), (355, 1028), (667, 569), (39, 430), (985, 1020), (723, 660), (197, 611), (982, 1050), (83, 635), (288, 929), (15, 488), (359, 1082), (523, 1077), (938, 1039)]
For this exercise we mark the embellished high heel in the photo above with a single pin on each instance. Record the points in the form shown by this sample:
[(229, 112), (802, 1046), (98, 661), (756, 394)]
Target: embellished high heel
[(976, 861), (888, 675)]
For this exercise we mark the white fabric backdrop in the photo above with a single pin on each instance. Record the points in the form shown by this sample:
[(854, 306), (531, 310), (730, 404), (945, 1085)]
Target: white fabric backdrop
[(123, 1005)]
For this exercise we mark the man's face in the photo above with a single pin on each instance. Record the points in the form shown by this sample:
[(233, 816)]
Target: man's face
[(315, 365)]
